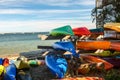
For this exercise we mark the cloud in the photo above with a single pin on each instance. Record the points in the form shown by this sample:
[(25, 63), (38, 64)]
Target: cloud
[(26, 11), (47, 2), (38, 26)]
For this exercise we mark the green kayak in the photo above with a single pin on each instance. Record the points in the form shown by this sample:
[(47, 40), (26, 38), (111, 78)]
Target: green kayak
[(106, 53), (65, 30)]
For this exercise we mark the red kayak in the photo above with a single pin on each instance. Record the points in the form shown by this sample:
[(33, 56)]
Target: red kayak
[(82, 78), (81, 31), (115, 46), (97, 60)]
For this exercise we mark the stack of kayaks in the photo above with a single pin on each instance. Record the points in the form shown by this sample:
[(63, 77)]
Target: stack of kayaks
[(108, 48)]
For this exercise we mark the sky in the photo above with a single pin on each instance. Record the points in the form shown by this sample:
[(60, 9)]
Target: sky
[(44, 15)]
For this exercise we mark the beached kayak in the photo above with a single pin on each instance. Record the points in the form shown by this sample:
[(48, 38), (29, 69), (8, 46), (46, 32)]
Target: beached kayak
[(81, 31), (57, 65), (83, 78), (93, 45), (112, 26), (65, 30), (5, 62), (97, 60), (11, 72), (21, 64), (67, 46), (1, 61)]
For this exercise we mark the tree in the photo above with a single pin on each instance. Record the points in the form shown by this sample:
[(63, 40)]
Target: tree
[(108, 12)]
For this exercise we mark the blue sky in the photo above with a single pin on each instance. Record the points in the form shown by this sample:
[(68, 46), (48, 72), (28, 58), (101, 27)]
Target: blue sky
[(44, 15)]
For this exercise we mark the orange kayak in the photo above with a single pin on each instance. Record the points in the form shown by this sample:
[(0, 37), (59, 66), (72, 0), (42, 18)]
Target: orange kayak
[(97, 60), (93, 45), (83, 78)]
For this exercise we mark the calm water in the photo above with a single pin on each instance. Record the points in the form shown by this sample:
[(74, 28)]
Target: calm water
[(12, 43)]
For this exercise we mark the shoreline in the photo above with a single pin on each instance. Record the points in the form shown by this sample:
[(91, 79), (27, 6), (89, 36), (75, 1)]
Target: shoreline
[(10, 56)]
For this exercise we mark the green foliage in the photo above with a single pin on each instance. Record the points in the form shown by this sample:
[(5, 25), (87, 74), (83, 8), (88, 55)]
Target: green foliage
[(113, 74), (109, 12)]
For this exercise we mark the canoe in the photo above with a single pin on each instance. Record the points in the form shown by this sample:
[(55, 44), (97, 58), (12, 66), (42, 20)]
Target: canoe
[(81, 31), (83, 78), (114, 61), (97, 60), (112, 26), (67, 46), (115, 46), (93, 45), (11, 72), (65, 30), (57, 65)]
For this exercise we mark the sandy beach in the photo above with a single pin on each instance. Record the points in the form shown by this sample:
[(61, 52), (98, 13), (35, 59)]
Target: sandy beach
[(10, 56)]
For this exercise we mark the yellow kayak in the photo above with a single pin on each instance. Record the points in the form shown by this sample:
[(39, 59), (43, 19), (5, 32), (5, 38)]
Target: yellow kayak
[(113, 26)]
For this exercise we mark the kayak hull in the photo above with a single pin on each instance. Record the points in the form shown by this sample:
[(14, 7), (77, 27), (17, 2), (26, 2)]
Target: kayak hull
[(93, 45), (65, 30), (83, 78), (97, 60), (11, 72), (81, 31), (57, 65)]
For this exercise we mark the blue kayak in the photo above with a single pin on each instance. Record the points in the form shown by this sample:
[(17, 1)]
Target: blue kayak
[(57, 65), (11, 72), (68, 46), (1, 61)]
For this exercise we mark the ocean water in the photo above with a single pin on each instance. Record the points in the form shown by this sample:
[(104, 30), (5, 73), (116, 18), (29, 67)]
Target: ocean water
[(15, 43)]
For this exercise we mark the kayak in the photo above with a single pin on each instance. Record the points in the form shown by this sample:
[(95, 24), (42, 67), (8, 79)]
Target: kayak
[(115, 46), (21, 64), (1, 61), (11, 72), (57, 65), (113, 61), (105, 53), (81, 31), (97, 60), (112, 26), (5, 62), (67, 46), (65, 30), (83, 78), (109, 34), (93, 45), (99, 31)]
